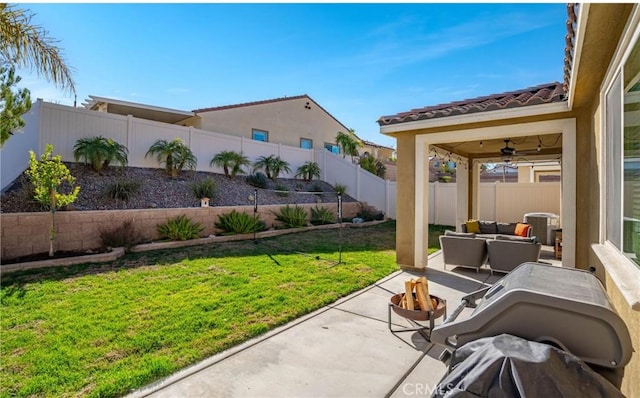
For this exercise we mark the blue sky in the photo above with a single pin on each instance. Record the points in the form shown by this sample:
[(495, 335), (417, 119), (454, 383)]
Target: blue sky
[(358, 61)]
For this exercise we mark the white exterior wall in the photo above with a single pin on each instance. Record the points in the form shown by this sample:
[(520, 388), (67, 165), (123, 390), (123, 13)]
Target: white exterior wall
[(14, 156)]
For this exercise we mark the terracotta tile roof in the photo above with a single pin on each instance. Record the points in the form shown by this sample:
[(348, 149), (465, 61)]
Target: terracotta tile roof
[(542, 94), (570, 42)]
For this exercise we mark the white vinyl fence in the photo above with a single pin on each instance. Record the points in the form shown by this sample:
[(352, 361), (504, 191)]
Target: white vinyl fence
[(62, 126), (498, 201)]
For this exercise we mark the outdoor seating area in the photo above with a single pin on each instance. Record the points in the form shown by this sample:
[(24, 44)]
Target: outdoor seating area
[(343, 349), (501, 253)]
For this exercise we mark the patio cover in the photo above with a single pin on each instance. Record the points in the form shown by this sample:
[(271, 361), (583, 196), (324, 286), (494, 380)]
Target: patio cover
[(141, 111)]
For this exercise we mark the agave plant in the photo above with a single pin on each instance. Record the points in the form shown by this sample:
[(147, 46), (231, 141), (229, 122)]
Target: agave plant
[(272, 165), (174, 154), (231, 162), (100, 152), (308, 170)]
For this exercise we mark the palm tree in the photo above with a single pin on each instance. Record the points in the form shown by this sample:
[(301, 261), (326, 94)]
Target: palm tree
[(174, 154), (231, 162), (308, 170), (100, 152), (28, 46), (348, 143), (272, 165)]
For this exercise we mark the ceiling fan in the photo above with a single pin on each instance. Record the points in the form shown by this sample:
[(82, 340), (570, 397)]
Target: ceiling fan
[(507, 153)]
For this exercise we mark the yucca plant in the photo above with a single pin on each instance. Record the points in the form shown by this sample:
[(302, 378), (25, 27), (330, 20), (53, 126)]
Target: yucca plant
[(239, 223), (308, 171), (258, 180), (282, 189), (321, 216), (272, 165), (175, 156), (340, 189), (231, 162), (204, 188), (291, 217), (100, 152), (180, 228)]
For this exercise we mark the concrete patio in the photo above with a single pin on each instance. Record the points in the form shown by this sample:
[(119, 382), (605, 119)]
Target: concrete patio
[(342, 350)]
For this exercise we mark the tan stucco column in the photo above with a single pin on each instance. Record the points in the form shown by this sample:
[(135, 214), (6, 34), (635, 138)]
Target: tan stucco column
[(474, 190), (462, 195), (406, 202)]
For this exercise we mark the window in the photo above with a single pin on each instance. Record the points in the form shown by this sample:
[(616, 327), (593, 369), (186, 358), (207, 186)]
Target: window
[(306, 143), (260, 135), (622, 124), (631, 156), (333, 148)]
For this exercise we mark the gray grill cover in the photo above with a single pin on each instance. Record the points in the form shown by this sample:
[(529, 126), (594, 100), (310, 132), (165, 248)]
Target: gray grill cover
[(509, 366)]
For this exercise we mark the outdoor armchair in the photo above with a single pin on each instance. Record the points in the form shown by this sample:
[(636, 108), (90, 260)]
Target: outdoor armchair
[(462, 251)]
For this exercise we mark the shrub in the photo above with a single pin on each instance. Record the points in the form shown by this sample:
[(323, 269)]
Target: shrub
[(180, 228), (373, 166), (125, 235), (272, 165), (316, 188), (308, 170), (340, 189), (123, 189), (292, 217), (239, 223), (100, 152), (369, 213), (284, 190), (258, 180), (204, 188), (175, 155), (321, 216), (231, 162)]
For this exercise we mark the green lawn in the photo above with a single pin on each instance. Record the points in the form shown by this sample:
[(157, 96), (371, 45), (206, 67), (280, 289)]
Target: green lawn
[(103, 330)]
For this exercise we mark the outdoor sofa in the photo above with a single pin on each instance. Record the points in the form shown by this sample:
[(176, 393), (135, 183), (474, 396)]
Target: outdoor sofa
[(491, 229), (503, 252)]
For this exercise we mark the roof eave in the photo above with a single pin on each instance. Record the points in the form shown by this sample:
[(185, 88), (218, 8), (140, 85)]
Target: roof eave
[(479, 117), (577, 48)]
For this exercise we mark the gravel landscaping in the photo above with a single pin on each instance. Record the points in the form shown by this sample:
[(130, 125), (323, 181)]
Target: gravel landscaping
[(157, 190)]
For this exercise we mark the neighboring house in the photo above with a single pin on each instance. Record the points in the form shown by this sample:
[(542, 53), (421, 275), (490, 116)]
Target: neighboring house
[(591, 123), (296, 121)]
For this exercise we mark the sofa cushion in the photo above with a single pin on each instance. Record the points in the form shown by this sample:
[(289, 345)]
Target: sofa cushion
[(488, 227), (507, 228), (459, 234), (516, 238), (522, 229), (473, 226)]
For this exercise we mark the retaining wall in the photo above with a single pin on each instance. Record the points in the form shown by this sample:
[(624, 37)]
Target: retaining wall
[(28, 233)]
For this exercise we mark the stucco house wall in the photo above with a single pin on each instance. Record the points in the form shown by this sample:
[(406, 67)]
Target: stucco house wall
[(286, 120)]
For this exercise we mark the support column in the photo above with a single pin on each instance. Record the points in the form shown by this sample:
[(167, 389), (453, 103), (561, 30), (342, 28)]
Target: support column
[(474, 190), (462, 195)]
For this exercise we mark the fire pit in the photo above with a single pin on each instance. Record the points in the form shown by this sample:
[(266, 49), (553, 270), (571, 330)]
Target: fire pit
[(416, 304), (418, 315)]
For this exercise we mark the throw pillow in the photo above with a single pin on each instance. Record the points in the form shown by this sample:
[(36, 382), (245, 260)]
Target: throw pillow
[(522, 229), (488, 227), (473, 226), (507, 228)]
